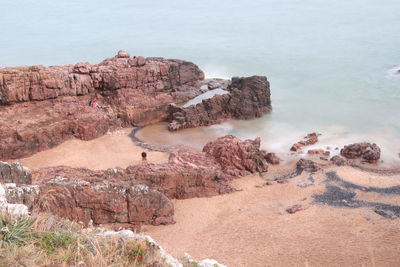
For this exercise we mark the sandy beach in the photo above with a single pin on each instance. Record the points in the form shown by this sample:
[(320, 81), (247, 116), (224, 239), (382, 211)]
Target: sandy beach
[(115, 149), (251, 227)]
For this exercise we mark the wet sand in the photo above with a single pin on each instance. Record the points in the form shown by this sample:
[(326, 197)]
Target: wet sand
[(114, 149), (251, 227)]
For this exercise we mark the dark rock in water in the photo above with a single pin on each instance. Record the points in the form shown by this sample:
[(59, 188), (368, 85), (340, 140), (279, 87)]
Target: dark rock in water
[(306, 165), (367, 151), (321, 152), (248, 98), (310, 139), (14, 173)]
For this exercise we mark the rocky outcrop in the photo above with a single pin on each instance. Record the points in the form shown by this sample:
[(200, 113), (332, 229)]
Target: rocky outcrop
[(40, 107), (248, 98), (139, 194), (237, 157), (180, 181), (366, 151), (306, 165), (14, 173), (308, 140), (104, 202)]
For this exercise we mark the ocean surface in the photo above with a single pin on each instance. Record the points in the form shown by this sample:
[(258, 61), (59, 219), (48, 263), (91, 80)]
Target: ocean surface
[(331, 64)]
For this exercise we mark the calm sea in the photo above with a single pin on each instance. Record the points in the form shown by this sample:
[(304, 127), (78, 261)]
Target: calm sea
[(330, 63)]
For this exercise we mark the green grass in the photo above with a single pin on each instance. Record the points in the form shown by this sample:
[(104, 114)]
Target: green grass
[(51, 241), (15, 231)]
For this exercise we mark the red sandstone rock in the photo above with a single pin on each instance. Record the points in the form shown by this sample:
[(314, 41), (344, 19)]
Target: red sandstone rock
[(321, 152), (248, 98), (368, 152), (138, 194), (310, 139), (272, 158), (104, 202), (237, 157), (338, 160), (41, 107)]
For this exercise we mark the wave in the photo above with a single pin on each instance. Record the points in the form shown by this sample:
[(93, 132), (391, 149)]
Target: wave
[(394, 72)]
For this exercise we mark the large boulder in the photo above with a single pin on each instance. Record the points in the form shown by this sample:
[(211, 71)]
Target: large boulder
[(237, 157), (366, 151), (104, 202), (248, 98)]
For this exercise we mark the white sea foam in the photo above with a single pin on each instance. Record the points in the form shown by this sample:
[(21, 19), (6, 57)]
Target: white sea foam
[(215, 71), (206, 95), (394, 72)]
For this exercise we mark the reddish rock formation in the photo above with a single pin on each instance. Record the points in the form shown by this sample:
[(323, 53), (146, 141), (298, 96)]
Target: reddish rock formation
[(104, 202), (41, 107), (310, 139), (248, 98), (321, 152), (272, 158), (367, 151), (237, 157), (338, 160)]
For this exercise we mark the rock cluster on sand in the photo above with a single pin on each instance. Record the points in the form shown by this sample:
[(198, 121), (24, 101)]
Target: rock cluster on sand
[(139, 194), (40, 107), (248, 98), (366, 151)]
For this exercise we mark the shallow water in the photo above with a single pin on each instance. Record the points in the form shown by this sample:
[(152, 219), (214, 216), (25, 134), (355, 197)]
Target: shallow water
[(332, 65)]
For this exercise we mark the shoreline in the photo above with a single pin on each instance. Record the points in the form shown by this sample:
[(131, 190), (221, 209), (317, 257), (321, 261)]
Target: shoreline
[(251, 226)]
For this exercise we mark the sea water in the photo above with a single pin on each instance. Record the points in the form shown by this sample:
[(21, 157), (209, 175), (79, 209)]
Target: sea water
[(332, 65)]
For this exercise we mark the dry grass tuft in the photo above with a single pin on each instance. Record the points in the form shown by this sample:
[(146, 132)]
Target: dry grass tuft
[(46, 240)]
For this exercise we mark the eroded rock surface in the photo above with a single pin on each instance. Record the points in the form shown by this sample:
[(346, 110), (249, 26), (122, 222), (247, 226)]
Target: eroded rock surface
[(308, 140), (237, 157), (366, 151), (248, 98), (104, 202), (40, 107), (14, 173)]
